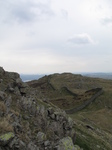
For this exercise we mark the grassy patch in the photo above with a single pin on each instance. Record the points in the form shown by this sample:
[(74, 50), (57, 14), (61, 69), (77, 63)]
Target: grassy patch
[(2, 107), (5, 126)]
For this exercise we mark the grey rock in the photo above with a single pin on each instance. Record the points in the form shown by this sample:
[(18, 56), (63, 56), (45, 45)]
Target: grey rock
[(12, 75), (43, 111), (47, 143), (66, 144), (1, 113), (3, 95), (68, 124), (6, 138), (52, 116), (32, 146), (50, 111), (20, 84), (17, 127), (13, 142), (57, 128), (16, 143), (11, 89), (26, 117), (41, 137), (21, 145), (2, 71), (33, 109), (8, 103), (17, 91), (1, 80)]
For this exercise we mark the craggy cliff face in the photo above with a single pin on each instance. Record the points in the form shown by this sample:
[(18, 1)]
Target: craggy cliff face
[(29, 123)]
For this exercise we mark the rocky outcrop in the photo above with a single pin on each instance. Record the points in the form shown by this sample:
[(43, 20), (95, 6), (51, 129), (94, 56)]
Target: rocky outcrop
[(2, 71), (29, 123), (66, 144)]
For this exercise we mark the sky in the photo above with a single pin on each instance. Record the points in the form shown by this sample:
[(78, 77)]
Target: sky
[(55, 36)]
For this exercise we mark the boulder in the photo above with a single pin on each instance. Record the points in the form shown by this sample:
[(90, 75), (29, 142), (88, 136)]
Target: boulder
[(68, 124), (17, 91), (11, 89), (65, 144), (20, 83)]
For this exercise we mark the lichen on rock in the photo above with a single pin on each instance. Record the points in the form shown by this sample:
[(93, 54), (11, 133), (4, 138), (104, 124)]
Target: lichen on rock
[(66, 144), (5, 138)]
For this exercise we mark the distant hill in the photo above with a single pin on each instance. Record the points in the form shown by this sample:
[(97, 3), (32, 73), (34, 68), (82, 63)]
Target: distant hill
[(29, 77), (99, 75)]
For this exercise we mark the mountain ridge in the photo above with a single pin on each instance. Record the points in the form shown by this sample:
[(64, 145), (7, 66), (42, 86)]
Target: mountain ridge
[(30, 120), (29, 123)]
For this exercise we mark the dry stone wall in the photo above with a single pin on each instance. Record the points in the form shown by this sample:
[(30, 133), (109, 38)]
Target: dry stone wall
[(73, 110)]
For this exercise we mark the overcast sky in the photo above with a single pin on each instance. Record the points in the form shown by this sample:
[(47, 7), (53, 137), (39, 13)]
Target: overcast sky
[(49, 36)]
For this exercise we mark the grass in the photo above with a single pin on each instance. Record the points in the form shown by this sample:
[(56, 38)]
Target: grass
[(91, 139), (5, 126), (2, 107)]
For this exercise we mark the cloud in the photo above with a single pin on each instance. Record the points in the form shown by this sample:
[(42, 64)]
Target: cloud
[(41, 62), (25, 11), (81, 39), (107, 21), (64, 13)]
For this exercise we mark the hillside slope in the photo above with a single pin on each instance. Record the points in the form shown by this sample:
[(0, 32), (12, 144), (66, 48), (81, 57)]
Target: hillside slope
[(29, 123), (93, 122)]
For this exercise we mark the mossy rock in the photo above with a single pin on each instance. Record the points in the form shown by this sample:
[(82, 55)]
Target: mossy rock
[(6, 138), (66, 144)]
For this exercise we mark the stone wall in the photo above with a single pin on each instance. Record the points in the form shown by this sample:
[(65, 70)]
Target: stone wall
[(73, 110)]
